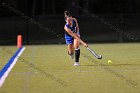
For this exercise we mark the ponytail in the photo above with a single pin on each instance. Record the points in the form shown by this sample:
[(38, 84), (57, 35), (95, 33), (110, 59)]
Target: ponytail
[(67, 14)]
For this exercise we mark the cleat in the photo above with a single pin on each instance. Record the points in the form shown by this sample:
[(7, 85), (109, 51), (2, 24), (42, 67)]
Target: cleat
[(76, 64)]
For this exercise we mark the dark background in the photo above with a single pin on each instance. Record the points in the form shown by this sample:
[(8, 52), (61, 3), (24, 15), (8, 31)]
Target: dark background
[(95, 17)]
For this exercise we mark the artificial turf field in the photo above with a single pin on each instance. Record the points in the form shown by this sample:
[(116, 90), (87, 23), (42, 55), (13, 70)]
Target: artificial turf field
[(49, 69)]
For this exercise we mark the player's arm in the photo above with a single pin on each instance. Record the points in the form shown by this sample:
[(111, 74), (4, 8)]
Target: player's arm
[(74, 35), (77, 26)]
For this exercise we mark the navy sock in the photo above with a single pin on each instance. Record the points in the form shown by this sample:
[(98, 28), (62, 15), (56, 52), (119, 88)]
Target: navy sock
[(77, 55)]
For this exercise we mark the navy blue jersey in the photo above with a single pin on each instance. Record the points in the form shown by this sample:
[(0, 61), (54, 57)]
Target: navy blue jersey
[(69, 39), (73, 27)]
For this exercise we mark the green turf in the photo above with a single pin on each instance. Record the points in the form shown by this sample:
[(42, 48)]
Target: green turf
[(48, 69)]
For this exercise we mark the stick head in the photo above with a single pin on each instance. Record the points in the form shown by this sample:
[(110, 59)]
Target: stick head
[(100, 57)]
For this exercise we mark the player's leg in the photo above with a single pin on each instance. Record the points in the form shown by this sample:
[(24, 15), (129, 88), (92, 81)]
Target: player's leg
[(71, 50), (69, 42), (77, 51)]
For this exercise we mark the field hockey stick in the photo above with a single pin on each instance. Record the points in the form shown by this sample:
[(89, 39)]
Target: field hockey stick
[(95, 55)]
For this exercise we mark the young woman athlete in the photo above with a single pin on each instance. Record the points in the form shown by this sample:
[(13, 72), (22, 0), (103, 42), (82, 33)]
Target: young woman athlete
[(72, 37)]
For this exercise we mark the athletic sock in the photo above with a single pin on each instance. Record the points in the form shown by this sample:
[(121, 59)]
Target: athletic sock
[(77, 55)]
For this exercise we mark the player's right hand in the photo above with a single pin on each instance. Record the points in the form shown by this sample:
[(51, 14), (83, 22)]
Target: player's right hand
[(85, 45)]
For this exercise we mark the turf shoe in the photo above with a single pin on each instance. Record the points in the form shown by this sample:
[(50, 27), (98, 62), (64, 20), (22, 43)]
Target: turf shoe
[(76, 64)]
